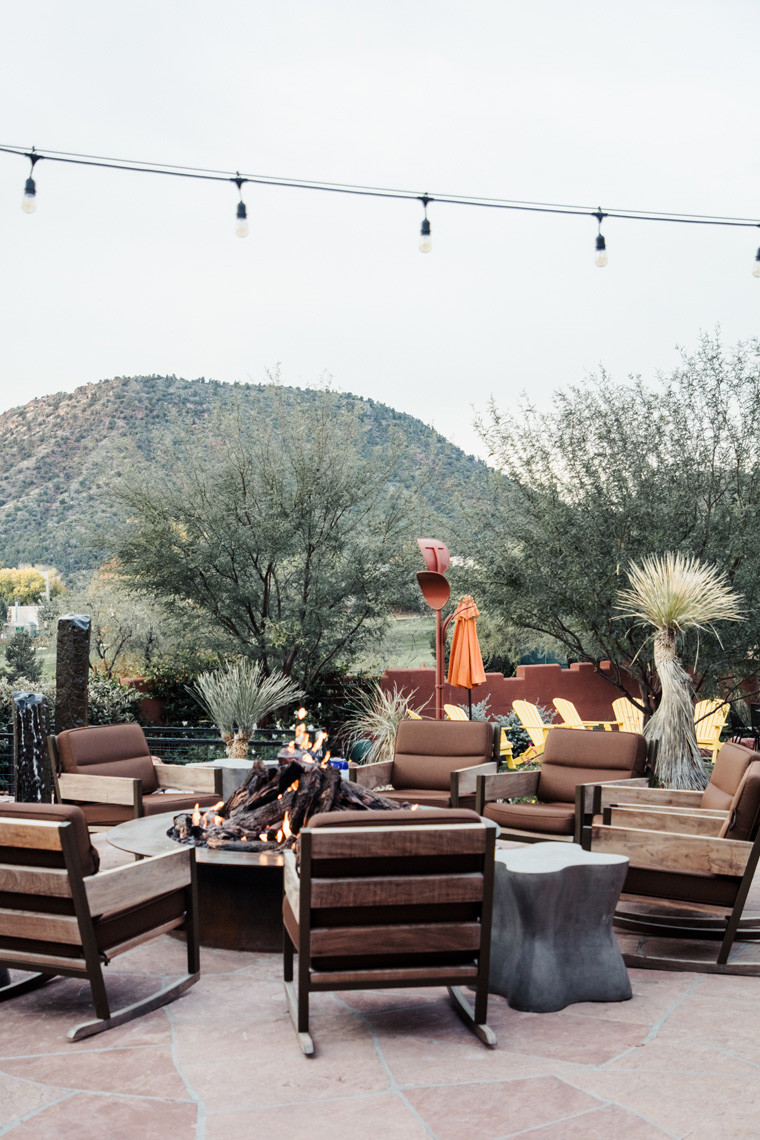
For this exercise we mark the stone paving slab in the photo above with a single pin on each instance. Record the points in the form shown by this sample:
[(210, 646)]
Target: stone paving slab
[(680, 1059)]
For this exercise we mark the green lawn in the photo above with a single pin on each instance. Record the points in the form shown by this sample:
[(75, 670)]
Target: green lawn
[(406, 644)]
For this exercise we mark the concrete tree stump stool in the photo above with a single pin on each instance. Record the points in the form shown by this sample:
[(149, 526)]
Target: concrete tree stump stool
[(552, 941)]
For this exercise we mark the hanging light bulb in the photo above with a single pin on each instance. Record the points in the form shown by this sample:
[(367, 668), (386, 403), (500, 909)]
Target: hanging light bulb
[(601, 252), (601, 248), (241, 225), (426, 244), (756, 270), (29, 201)]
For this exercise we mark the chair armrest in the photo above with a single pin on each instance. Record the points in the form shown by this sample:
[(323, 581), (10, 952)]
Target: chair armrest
[(372, 775), (637, 792), (190, 777), (464, 780), (291, 880), (671, 820), (136, 883), (589, 800), (100, 790), (661, 851), (504, 786)]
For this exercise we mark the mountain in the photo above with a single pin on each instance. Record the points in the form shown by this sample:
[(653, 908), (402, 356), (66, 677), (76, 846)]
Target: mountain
[(61, 455)]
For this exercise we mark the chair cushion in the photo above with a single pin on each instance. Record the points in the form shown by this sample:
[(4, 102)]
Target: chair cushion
[(108, 750), (427, 751), (388, 818), (744, 812), (123, 925), (554, 819), (730, 765), (53, 813), (573, 757), (712, 890)]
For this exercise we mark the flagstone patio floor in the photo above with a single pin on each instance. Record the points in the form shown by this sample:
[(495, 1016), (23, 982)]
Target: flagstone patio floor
[(681, 1059)]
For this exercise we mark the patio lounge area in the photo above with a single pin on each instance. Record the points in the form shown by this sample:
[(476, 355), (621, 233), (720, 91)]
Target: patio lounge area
[(681, 1059)]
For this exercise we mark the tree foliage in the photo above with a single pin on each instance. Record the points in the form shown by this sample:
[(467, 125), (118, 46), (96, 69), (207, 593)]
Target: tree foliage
[(618, 472), (285, 534), (21, 661), (26, 584)]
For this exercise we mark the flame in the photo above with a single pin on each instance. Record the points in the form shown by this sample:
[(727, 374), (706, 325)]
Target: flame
[(263, 837), (415, 806), (218, 821), (286, 826), (293, 786), (196, 816), (301, 713), (218, 805)]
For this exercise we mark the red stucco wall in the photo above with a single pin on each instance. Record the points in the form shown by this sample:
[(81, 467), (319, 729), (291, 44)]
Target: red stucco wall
[(591, 693)]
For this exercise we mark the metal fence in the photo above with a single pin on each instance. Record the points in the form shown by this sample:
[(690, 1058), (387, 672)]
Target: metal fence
[(177, 744)]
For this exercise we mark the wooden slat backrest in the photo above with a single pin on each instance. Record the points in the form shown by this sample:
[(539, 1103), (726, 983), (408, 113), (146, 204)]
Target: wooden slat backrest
[(395, 842), (31, 834)]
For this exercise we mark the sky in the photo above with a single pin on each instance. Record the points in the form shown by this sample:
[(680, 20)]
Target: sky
[(652, 106)]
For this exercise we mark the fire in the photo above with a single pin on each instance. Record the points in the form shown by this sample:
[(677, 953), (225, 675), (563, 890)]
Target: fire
[(196, 816), (263, 837), (301, 714), (286, 826)]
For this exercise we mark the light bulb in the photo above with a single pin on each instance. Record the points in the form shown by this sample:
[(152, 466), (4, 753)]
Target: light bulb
[(601, 252), (756, 270), (241, 225), (29, 201), (425, 243)]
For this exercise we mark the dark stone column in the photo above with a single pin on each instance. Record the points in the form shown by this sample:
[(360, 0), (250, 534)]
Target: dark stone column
[(72, 671), (34, 774)]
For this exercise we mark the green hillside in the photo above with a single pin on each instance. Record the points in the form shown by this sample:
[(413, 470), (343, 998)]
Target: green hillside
[(61, 455)]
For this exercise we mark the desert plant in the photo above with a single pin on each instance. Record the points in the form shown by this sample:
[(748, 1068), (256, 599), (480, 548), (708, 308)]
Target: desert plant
[(674, 593), (376, 717), (238, 696)]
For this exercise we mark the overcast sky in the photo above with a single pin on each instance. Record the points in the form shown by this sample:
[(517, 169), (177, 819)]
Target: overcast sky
[(651, 106)]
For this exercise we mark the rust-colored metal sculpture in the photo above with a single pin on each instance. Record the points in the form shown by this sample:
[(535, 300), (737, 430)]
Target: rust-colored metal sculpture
[(436, 591)]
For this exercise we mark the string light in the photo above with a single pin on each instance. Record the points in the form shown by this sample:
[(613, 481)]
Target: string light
[(241, 226), (601, 246), (425, 243), (29, 201)]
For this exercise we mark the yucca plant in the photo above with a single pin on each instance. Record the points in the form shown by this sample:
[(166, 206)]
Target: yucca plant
[(238, 696), (376, 717), (674, 593)]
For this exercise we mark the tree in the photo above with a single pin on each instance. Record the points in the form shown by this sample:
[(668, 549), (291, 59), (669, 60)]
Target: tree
[(287, 535), (27, 584), (21, 659), (673, 594), (617, 472)]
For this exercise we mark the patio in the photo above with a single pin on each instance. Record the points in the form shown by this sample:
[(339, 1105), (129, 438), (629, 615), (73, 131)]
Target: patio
[(681, 1059)]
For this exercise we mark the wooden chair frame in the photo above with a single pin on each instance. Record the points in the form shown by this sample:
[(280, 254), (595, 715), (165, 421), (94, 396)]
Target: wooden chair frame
[(103, 893), (306, 894), (675, 838)]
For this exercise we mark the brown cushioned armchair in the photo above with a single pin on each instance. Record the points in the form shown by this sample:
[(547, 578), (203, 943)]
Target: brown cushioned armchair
[(109, 772), (59, 916), (435, 762), (387, 899), (689, 874), (570, 760)]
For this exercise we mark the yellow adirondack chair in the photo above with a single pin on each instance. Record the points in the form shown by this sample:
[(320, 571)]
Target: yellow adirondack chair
[(571, 718), (530, 719), (709, 719), (629, 718), (454, 712), (413, 715)]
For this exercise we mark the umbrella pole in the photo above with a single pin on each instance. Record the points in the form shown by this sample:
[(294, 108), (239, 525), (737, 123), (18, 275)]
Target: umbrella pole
[(469, 703)]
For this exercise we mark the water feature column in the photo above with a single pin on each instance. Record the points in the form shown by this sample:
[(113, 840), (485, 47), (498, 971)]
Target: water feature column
[(72, 671), (34, 773)]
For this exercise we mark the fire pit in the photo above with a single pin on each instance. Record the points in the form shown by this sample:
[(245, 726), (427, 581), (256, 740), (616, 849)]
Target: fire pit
[(239, 843)]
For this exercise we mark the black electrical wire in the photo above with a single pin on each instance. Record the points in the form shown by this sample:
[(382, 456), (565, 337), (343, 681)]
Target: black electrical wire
[(210, 175)]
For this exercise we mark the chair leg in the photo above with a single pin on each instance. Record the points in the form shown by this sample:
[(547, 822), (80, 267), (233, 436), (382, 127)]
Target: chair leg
[(470, 1017), (298, 1000), (24, 986), (130, 1012)]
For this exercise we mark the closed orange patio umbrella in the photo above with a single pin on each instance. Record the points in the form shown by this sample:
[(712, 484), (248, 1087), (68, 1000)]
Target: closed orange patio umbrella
[(465, 660)]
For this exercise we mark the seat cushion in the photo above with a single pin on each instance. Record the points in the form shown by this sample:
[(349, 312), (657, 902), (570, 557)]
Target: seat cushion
[(572, 756), (744, 811), (554, 819), (426, 752), (712, 890), (109, 815), (730, 765), (389, 818), (113, 929), (51, 813), (108, 750)]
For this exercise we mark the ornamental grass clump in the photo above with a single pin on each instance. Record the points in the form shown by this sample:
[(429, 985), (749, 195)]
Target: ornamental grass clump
[(238, 696), (675, 593), (376, 717)]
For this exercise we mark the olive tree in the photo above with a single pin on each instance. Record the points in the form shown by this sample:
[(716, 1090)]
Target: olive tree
[(285, 533), (614, 473)]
